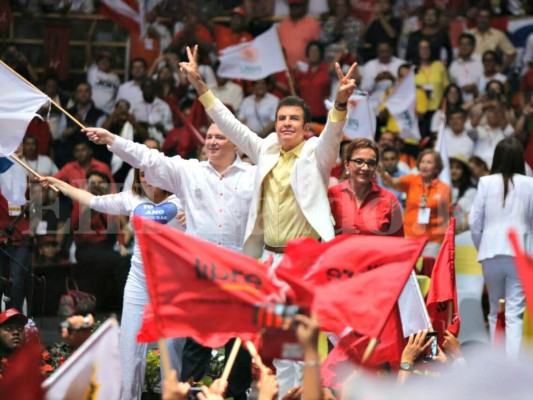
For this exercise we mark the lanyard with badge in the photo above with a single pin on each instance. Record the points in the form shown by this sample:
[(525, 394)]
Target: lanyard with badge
[(424, 211)]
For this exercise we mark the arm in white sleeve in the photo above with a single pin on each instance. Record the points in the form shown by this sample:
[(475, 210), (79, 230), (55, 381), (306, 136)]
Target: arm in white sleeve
[(112, 204), (160, 170), (476, 217)]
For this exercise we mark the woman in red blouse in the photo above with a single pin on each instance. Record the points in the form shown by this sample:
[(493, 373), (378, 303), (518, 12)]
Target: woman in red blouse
[(358, 204), (312, 81)]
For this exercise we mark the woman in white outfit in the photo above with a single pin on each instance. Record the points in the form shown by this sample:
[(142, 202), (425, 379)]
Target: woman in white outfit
[(152, 203), (504, 200)]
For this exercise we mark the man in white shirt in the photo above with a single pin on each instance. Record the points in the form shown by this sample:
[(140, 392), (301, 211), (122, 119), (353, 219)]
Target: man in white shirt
[(455, 135), (378, 74), (216, 197), (491, 68), (103, 82), (40, 163), (153, 113), (466, 70), (131, 90), (491, 133), (258, 110), (228, 92)]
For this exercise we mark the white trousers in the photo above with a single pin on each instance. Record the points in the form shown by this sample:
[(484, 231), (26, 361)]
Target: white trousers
[(502, 282)]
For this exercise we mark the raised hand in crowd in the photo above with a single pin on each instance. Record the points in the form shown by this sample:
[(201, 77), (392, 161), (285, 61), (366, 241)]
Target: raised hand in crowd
[(452, 346), (346, 85), (174, 389), (268, 386), (214, 392), (416, 346), (307, 331), (191, 70)]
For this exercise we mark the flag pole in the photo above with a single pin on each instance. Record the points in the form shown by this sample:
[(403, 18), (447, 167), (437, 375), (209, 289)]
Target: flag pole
[(165, 360), (40, 91), (256, 357), (231, 359), (15, 158), (287, 72), (369, 350)]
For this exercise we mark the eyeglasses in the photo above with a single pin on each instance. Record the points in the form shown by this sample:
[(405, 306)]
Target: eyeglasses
[(371, 164)]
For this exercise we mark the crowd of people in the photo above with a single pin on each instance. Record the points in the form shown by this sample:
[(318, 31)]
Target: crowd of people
[(251, 165)]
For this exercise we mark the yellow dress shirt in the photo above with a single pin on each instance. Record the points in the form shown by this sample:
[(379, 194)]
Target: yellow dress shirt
[(435, 77)]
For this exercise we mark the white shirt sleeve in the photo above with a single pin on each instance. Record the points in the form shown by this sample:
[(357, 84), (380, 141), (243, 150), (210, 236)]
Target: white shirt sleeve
[(477, 214), (112, 204)]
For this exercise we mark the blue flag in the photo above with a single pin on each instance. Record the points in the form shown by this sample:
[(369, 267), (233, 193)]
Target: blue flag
[(5, 164)]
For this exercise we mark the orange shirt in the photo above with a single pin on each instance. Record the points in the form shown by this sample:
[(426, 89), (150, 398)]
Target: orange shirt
[(295, 36), (438, 201), (225, 37)]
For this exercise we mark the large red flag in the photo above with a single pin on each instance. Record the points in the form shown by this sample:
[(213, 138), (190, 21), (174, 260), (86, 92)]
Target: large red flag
[(442, 290), (22, 377), (524, 264), (198, 289)]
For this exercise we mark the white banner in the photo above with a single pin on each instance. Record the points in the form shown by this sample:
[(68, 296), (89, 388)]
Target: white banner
[(18, 104), (401, 103), (361, 119), (92, 372), (253, 60)]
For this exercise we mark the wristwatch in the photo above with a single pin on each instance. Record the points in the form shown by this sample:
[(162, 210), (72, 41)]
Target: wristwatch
[(406, 366)]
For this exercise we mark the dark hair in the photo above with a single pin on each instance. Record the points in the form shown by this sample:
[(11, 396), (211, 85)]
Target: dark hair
[(493, 54), (30, 137), (139, 59), (457, 110), (508, 160), (469, 36), (503, 92), (431, 51), (391, 149), (465, 181), (485, 8), (294, 101), (406, 65), (431, 8), (478, 161), (98, 173), (317, 44), (136, 186), (361, 143), (123, 101), (447, 90), (86, 84), (438, 160)]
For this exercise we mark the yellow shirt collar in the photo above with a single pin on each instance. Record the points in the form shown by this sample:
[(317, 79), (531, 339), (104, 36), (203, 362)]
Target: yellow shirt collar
[(296, 150)]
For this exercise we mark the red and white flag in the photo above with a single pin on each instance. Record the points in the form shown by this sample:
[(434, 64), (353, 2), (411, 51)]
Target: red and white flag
[(18, 104), (127, 13), (253, 60)]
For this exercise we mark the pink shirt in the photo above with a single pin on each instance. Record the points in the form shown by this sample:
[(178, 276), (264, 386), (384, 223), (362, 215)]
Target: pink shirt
[(295, 36)]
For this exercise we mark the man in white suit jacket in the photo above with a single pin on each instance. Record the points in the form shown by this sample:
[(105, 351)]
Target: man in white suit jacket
[(289, 199)]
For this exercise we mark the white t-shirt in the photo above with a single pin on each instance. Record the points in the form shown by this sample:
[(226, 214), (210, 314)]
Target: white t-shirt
[(458, 144), (487, 139), (466, 72), (156, 112), (128, 203), (43, 165), (229, 94), (257, 115), (104, 86), (130, 91)]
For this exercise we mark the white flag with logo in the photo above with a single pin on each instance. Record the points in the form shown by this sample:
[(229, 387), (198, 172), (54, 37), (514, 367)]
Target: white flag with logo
[(442, 149), (253, 60), (92, 372), (18, 104), (401, 103), (360, 119)]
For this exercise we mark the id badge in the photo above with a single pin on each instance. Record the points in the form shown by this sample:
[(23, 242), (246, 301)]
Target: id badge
[(423, 215)]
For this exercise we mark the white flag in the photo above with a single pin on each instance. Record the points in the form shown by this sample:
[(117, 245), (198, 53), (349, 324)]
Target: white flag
[(13, 184), (361, 119), (413, 311), (253, 60), (92, 372), (18, 104), (442, 149), (401, 103)]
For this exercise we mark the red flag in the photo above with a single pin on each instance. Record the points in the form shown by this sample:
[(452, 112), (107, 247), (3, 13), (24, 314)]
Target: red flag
[(499, 331), (198, 289), (22, 378), (126, 13), (345, 256), (524, 264), (442, 290), (56, 40)]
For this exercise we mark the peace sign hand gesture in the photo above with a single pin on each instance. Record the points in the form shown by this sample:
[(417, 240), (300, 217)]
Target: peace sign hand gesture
[(346, 83), (190, 69)]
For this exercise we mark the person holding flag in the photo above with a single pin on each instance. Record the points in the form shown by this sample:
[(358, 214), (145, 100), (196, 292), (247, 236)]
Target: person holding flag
[(289, 197), (216, 197), (153, 203)]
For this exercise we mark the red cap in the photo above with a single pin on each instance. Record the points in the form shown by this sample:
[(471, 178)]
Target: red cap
[(239, 11), (11, 315)]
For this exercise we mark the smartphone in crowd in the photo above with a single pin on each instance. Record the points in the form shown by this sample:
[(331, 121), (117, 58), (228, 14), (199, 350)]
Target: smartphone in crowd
[(434, 347), (193, 392)]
